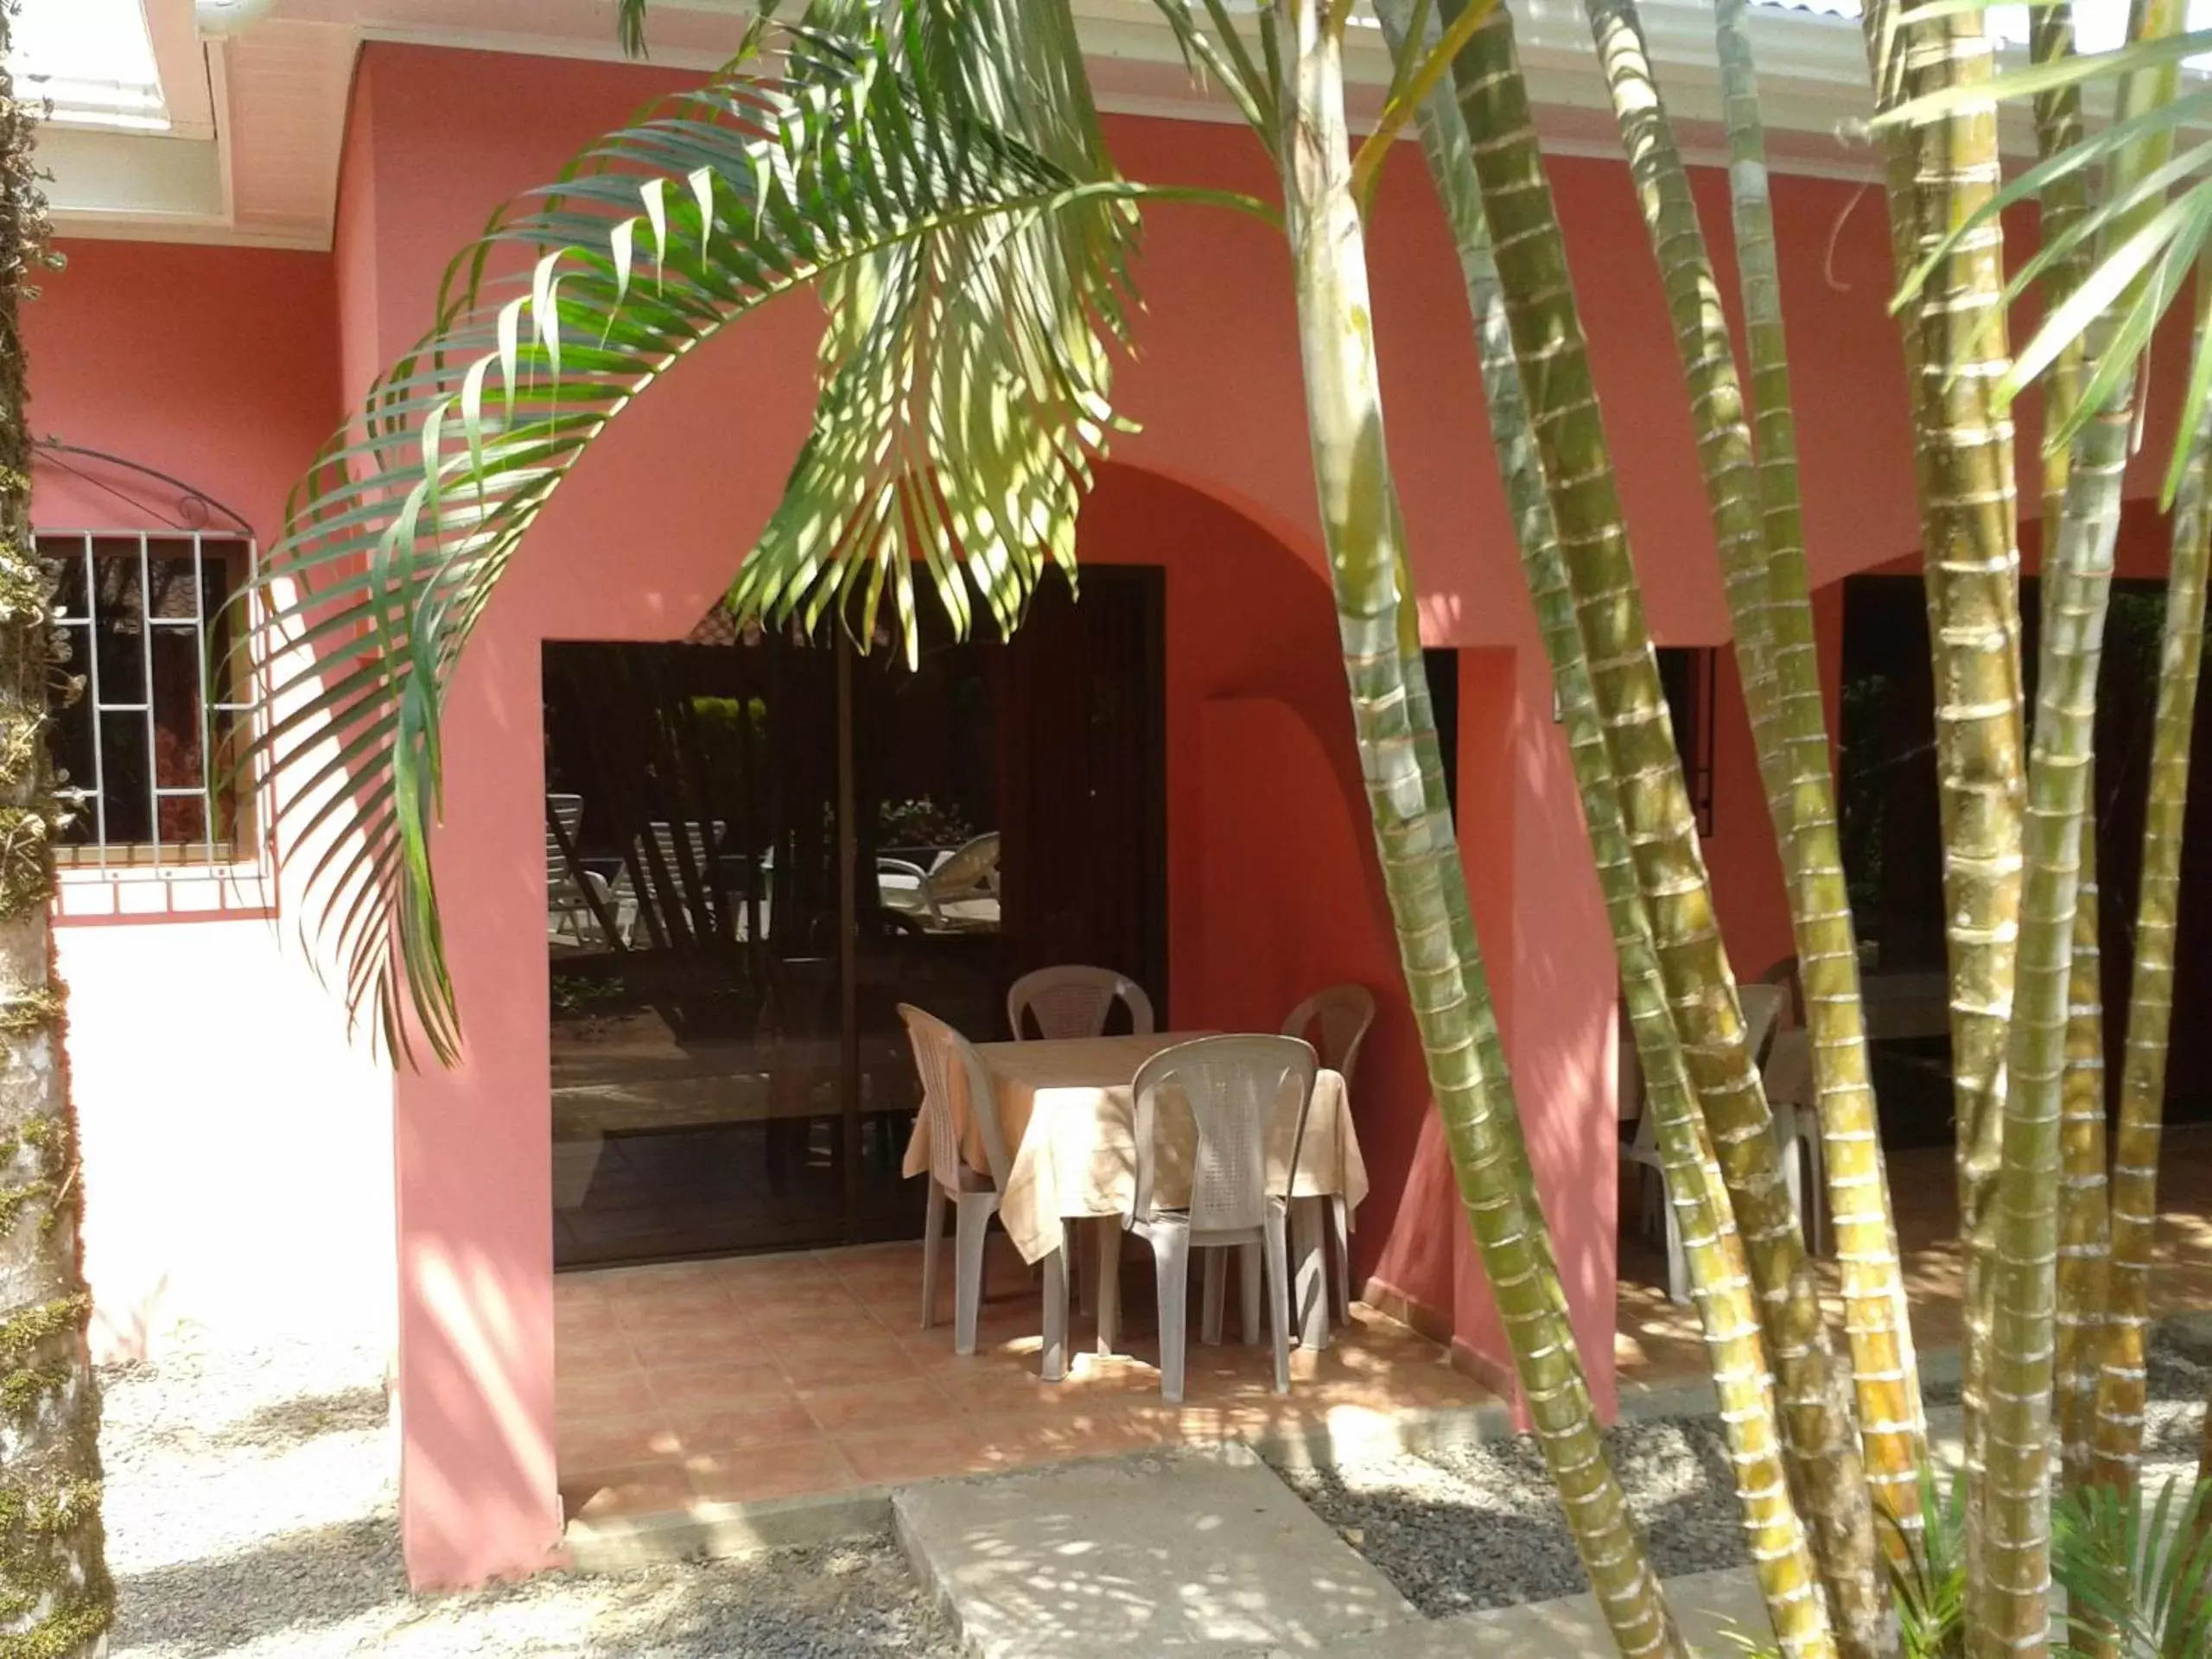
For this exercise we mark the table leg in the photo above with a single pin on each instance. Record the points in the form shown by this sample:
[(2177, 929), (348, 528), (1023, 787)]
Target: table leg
[(1309, 1305), (1053, 1366), (1106, 1243)]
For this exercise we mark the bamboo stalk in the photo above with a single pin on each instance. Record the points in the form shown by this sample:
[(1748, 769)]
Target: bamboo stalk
[(2084, 1229), (2121, 1382), (1719, 1274), (1364, 538), (1955, 351), (1789, 724), (1555, 381)]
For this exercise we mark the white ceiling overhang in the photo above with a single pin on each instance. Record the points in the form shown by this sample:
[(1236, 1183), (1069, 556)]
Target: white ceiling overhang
[(255, 102)]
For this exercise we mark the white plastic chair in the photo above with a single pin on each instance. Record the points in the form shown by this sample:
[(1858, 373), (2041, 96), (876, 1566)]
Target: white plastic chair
[(1074, 1001), (1336, 1021), (1762, 1005), (569, 890), (1233, 1087), (567, 915), (1790, 1092), (954, 1091)]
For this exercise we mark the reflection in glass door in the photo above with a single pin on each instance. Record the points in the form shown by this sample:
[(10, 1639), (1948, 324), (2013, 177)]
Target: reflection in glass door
[(758, 845)]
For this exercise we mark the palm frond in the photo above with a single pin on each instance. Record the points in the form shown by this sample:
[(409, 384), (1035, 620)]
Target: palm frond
[(965, 375), (581, 294), (1213, 44), (2137, 1580), (2140, 241), (1928, 1569)]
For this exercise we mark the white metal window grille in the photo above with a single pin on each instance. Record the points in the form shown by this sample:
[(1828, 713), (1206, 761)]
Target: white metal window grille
[(150, 628)]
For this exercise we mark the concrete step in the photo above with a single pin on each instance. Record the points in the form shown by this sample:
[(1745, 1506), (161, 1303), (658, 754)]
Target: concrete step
[(1197, 1553)]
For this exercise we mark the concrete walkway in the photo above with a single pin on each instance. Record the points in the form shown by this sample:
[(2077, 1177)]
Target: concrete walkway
[(1210, 1554)]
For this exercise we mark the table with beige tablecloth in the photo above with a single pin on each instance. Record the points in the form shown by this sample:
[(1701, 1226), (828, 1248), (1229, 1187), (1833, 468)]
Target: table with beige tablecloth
[(1068, 1112)]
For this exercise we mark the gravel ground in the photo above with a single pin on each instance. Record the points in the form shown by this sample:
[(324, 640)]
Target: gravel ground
[(250, 1509), (1478, 1526)]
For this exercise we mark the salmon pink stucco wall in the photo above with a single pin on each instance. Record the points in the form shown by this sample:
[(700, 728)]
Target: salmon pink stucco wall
[(231, 378), (235, 1144), (1217, 488)]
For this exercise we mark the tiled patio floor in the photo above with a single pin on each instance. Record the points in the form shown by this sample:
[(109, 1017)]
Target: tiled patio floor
[(771, 1377), (1657, 1341), (762, 1377)]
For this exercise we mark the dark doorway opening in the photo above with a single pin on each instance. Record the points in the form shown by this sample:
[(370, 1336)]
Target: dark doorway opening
[(1892, 845), (760, 843)]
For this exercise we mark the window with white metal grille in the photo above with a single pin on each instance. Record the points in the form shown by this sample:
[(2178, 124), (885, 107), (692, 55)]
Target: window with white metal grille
[(150, 628)]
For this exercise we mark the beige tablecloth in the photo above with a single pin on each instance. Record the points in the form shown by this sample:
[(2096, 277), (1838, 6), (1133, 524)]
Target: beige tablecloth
[(1070, 1120)]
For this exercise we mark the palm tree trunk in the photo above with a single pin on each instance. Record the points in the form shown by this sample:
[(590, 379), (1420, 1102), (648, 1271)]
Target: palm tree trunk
[(1360, 520), (1955, 349), (2010, 1599), (56, 1599), (1770, 610), (1721, 1280), (2084, 1229), (2010, 1605), (1701, 991), (2121, 1382)]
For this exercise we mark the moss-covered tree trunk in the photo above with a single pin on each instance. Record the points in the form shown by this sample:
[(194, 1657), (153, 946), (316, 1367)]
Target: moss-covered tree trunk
[(56, 1601)]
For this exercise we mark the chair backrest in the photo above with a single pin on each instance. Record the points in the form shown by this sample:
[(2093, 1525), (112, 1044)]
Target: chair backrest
[(1234, 1087), (1762, 1005), (1785, 973), (955, 1091), (1073, 1002), (1335, 1022), (701, 839), (567, 811), (974, 864)]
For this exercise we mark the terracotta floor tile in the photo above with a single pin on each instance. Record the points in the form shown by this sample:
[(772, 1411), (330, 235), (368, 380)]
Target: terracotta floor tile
[(709, 1387), (764, 1420), (684, 1310), (640, 1489), (612, 1394), (782, 1327), (592, 1353), (864, 1407), (729, 1343), (838, 1364), (923, 1452), (615, 1442), (797, 1295), (790, 1470)]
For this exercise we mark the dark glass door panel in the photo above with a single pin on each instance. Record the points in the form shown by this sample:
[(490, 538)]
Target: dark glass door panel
[(758, 849), (696, 1045)]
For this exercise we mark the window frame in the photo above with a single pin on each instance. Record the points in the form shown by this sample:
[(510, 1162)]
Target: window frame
[(244, 847)]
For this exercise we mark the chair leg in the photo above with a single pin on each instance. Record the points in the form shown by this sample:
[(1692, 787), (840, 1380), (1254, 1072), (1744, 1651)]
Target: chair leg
[(1793, 1165), (1248, 1285), (932, 1247), (1170, 1253), (1816, 1219), (1340, 1214), (1678, 1267), (1215, 1265), (1054, 1365), (1107, 1247), (1276, 1245), (972, 1229)]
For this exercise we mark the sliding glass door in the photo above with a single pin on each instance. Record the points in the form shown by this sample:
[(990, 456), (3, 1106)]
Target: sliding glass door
[(758, 845)]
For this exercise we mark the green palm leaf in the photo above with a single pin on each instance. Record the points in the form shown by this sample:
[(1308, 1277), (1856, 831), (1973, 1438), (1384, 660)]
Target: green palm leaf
[(858, 169), (2137, 1580)]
